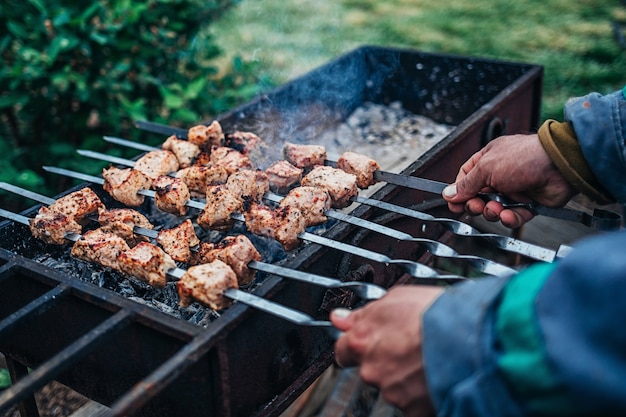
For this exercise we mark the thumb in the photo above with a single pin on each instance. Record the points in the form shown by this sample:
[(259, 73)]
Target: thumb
[(464, 189), (341, 318)]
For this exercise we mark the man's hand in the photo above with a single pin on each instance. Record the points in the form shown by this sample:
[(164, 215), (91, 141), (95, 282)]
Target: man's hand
[(516, 166), (384, 338)]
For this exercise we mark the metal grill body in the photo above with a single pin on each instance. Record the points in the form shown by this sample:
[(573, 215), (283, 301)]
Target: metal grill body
[(144, 362)]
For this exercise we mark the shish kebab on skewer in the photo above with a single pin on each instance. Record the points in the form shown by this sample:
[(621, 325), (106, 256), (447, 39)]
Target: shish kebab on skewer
[(320, 174), (231, 293), (414, 269), (364, 290), (600, 219)]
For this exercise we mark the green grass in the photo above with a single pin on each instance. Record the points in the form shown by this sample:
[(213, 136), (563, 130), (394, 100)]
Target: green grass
[(574, 41)]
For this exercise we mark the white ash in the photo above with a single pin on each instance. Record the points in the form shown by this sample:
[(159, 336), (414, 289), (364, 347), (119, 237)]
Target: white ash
[(390, 134)]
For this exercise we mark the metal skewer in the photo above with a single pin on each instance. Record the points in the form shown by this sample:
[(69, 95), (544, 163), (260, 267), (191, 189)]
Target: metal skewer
[(365, 290), (257, 302), (455, 226), (600, 219), (414, 269)]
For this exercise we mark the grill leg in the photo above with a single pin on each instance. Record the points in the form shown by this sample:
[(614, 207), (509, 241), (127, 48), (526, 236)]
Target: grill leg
[(27, 408)]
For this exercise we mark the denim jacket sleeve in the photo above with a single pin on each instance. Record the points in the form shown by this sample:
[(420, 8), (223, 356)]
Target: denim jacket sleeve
[(599, 122)]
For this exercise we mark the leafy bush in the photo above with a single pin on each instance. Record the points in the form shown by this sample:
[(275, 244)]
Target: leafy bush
[(72, 71)]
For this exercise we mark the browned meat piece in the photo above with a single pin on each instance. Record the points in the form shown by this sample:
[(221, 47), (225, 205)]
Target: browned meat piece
[(283, 224), (230, 159), (311, 201), (206, 136), (51, 226), (100, 247), (185, 151), (148, 263), (220, 204), (198, 178), (247, 143), (122, 222), (124, 183), (340, 185), (248, 185), (78, 204), (236, 251), (282, 176), (171, 194), (203, 159), (304, 156), (157, 163), (361, 166), (177, 242), (206, 284)]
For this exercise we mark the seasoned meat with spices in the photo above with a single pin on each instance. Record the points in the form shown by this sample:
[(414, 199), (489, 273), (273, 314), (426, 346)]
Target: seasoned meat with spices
[(248, 185), (312, 202), (248, 143), (124, 183), (283, 224), (78, 204), (101, 247), (185, 151), (157, 163), (237, 251), (178, 241), (171, 194), (51, 226), (361, 166), (283, 175), (206, 136), (148, 263), (230, 159), (304, 156), (206, 284), (220, 204), (122, 222), (340, 185), (198, 178)]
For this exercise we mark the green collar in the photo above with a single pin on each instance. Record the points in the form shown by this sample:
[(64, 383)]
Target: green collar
[(624, 92)]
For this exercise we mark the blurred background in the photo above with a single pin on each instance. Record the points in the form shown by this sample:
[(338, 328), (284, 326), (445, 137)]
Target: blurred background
[(73, 71)]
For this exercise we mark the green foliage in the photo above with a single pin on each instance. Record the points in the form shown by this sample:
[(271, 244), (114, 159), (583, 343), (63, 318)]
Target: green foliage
[(73, 71)]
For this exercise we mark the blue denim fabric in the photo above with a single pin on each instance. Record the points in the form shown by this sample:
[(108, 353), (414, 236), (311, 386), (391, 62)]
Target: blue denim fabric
[(600, 125)]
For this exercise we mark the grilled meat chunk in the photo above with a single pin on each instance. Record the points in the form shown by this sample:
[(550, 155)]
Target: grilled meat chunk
[(171, 194), (122, 222), (198, 178), (304, 156), (51, 226), (206, 136), (283, 175), (147, 262), (248, 185), (206, 284), (361, 166), (220, 204), (231, 159), (124, 183), (157, 163), (340, 185), (185, 151), (311, 201), (101, 247), (283, 224), (248, 143), (78, 204), (237, 251), (177, 241)]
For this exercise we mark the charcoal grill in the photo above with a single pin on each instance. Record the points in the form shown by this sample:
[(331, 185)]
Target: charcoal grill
[(141, 361)]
